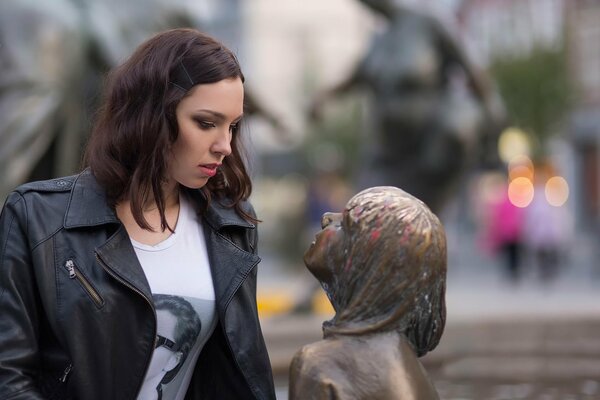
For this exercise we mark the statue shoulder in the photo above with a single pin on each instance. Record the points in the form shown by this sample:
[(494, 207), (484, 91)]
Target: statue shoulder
[(315, 373)]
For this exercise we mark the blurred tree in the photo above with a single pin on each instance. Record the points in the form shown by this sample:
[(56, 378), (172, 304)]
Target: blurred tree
[(536, 91), (334, 142)]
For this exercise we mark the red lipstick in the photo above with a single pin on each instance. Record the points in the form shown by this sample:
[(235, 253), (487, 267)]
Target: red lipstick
[(209, 170)]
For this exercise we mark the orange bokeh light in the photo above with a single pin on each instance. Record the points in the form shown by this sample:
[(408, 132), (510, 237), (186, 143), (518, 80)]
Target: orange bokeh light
[(520, 192), (520, 171), (520, 166)]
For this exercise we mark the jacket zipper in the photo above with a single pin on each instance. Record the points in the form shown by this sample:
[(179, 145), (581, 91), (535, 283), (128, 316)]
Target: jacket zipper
[(61, 381), (75, 273), (130, 286), (66, 373)]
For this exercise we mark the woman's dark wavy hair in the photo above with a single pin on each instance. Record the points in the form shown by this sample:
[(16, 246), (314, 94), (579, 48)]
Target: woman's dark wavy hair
[(129, 148)]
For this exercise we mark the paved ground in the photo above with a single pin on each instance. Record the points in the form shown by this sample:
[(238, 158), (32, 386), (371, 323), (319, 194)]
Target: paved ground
[(498, 360), (532, 340), (557, 358)]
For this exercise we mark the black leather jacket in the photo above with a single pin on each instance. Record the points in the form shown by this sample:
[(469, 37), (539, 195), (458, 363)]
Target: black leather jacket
[(88, 332)]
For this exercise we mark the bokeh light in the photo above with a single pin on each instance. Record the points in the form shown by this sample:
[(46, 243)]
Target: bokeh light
[(520, 166), (557, 191), (520, 192), (513, 142)]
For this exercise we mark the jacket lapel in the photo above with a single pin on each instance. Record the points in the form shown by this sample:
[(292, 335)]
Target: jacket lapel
[(229, 265), (118, 255), (88, 207)]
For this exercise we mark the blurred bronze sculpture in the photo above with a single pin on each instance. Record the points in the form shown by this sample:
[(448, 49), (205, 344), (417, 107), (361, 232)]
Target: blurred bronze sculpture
[(425, 125), (40, 80), (382, 263), (53, 57)]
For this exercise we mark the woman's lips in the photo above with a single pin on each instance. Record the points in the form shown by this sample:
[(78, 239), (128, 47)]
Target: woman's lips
[(209, 170)]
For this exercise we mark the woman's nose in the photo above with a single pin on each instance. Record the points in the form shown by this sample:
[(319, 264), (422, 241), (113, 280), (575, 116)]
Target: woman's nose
[(222, 144)]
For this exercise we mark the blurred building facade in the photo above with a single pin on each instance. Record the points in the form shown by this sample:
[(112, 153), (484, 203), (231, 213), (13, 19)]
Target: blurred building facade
[(493, 28), (583, 36), (513, 28)]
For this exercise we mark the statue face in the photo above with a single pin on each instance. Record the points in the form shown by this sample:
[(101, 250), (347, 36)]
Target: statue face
[(327, 250)]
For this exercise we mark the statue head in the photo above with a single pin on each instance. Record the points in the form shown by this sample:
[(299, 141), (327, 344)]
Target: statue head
[(382, 263)]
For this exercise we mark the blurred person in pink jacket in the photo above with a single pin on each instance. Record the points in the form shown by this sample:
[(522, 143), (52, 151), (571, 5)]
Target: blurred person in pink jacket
[(505, 233)]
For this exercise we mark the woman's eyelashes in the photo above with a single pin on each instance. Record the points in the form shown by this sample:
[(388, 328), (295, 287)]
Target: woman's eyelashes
[(206, 125)]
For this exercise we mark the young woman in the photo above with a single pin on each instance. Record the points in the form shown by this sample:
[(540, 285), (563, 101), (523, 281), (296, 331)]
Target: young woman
[(136, 279)]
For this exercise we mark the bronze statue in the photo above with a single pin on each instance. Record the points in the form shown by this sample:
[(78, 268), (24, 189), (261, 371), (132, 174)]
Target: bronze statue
[(425, 124), (382, 263)]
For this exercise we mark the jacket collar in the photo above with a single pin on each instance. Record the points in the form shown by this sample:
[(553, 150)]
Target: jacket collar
[(230, 265), (87, 204), (88, 207)]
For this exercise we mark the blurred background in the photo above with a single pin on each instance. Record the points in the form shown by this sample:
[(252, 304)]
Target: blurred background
[(488, 110)]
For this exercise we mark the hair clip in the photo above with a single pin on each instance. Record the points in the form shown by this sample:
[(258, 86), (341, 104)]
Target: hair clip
[(181, 77)]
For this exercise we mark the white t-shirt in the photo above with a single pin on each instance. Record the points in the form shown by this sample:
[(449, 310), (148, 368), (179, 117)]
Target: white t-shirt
[(178, 272)]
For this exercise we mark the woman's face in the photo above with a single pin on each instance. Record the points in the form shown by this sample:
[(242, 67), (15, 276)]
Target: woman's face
[(208, 117), (327, 248)]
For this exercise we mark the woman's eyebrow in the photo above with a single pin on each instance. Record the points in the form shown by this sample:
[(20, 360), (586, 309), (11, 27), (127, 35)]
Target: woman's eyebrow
[(219, 116)]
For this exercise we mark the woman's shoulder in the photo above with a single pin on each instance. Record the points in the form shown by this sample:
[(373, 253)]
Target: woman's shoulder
[(70, 201), (40, 206), (62, 184), (43, 194)]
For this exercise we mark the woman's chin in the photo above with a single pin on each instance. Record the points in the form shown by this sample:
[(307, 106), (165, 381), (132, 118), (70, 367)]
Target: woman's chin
[(197, 183)]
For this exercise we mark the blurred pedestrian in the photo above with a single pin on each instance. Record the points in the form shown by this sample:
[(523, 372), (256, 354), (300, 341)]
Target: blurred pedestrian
[(328, 190), (505, 231), (547, 228)]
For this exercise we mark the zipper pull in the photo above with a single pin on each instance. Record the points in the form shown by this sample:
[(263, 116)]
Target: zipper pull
[(70, 266), (65, 374)]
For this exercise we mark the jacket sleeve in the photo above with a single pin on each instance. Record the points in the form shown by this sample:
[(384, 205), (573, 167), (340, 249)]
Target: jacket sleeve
[(19, 306)]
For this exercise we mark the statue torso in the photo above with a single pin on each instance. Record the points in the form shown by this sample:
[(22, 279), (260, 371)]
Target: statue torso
[(381, 366)]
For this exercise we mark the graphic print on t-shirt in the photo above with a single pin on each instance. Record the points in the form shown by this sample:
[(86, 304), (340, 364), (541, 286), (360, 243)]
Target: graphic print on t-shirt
[(178, 330), (179, 276)]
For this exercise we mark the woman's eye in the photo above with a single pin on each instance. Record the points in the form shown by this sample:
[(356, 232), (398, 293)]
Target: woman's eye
[(206, 125), (233, 128)]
